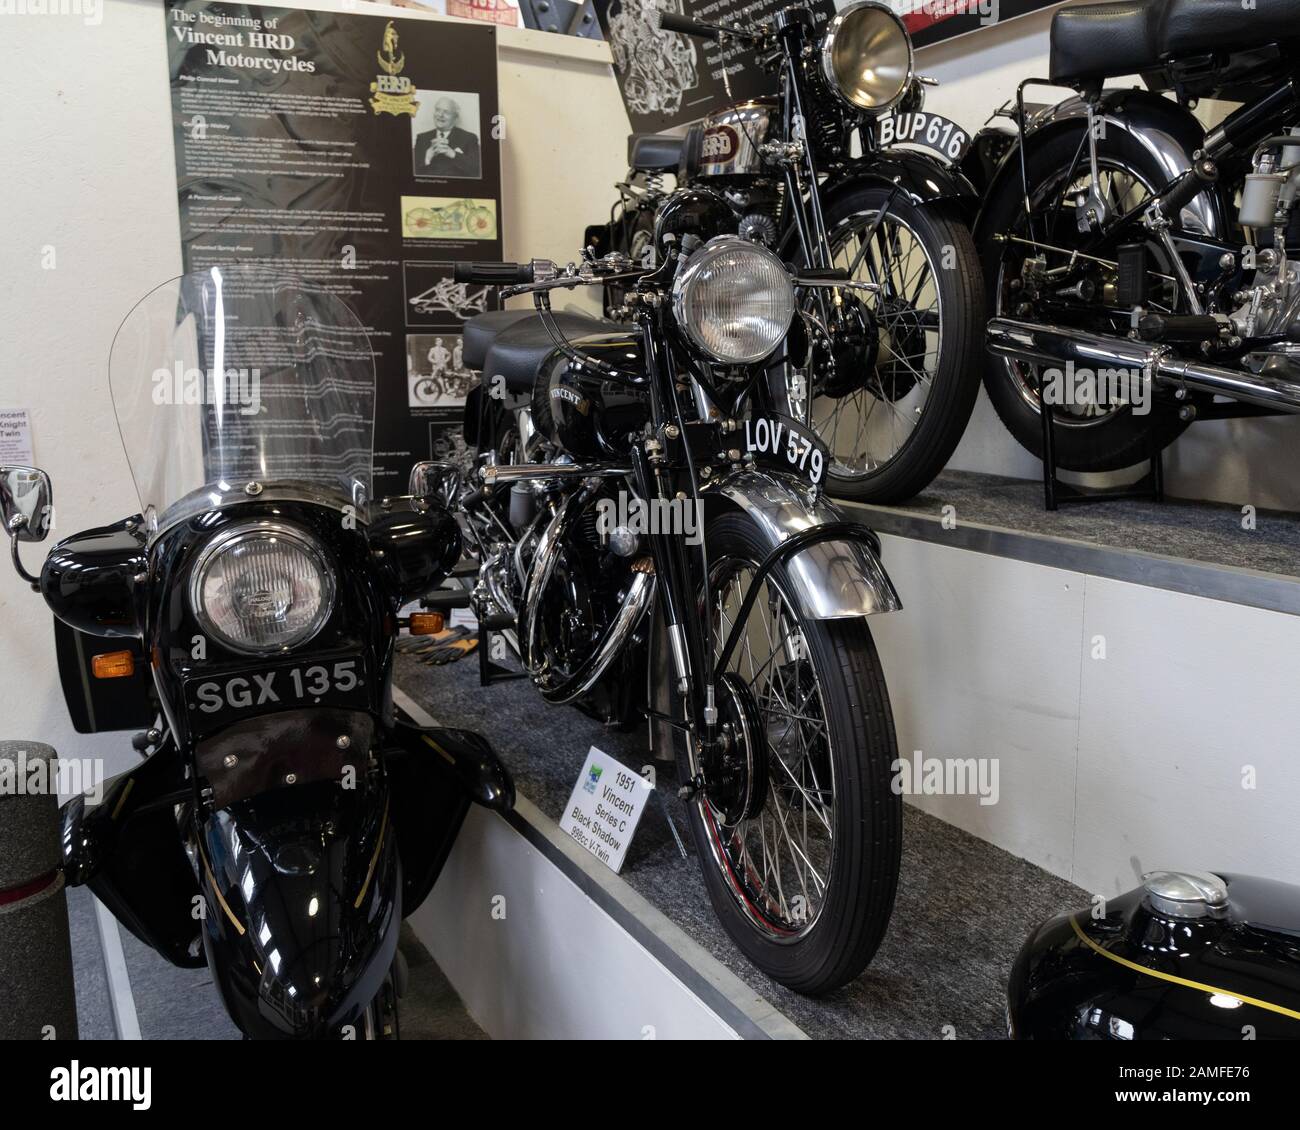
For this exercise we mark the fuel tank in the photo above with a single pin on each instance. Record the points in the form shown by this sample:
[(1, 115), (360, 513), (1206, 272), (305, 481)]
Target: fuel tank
[(591, 418), (1186, 956)]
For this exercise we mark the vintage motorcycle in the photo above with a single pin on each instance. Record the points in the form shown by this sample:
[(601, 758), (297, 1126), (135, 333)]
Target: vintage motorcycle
[(653, 542), (1121, 239), (895, 372), (283, 820)]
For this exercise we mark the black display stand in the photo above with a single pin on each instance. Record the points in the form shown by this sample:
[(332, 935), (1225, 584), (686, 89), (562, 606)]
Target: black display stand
[(488, 671), (1149, 488)]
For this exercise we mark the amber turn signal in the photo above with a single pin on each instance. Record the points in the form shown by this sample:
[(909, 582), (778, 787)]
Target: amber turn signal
[(113, 665), (426, 623)]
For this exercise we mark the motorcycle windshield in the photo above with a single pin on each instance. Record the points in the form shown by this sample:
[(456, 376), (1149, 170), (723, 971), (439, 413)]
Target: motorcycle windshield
[(235, 383)]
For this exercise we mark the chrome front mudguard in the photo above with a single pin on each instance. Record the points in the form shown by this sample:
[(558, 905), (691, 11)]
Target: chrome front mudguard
[(833, 580)]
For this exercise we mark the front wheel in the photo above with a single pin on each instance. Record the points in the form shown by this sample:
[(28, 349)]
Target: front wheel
[(799, 832), (892, 398)]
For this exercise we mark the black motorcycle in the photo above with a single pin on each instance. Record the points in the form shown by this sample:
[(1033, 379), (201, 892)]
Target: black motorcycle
[(816, 174), (653, 543), (1136, 264), (282, 821)]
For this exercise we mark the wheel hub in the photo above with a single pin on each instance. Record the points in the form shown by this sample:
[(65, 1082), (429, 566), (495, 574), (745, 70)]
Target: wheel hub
[(846, 366), (904, 338), (739, 790)]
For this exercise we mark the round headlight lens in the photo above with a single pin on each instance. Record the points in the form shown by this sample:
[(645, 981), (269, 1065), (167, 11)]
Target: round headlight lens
[(262, 588), (867, 57), (735, 301)]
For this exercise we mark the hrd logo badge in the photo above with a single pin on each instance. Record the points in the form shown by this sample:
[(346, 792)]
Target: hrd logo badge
[(102, 1084), (393, 92)]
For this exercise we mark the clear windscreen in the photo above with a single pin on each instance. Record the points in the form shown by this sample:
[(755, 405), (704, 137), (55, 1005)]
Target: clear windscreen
[(238, 383)]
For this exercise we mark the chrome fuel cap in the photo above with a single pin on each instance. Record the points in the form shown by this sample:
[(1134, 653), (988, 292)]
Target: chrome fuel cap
[(1185, 894)]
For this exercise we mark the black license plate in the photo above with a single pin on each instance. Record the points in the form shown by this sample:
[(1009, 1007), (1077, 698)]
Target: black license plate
[(217, 700), (784, 444), (930, 131)]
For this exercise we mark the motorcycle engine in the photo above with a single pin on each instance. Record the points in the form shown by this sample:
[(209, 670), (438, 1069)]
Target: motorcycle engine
[(1270, 307), (593, 572)]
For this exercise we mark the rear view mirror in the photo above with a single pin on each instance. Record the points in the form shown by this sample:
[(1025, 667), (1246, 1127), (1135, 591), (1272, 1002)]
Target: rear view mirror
[(438, 481), (27, 502)]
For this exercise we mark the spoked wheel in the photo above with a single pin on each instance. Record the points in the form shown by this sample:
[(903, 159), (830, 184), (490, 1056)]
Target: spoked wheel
[(892, 398), (1093, 432), (798, 831)]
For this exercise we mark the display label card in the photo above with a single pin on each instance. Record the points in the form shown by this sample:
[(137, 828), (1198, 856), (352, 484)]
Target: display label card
[(15, 438), (605, 808)]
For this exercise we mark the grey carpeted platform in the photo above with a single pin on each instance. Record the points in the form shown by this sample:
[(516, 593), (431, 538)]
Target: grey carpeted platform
[(1196, 531), (182, 1004), (964, 907)]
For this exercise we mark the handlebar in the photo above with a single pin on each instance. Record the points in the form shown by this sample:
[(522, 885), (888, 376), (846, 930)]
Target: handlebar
[(494, 274), (672, 21)]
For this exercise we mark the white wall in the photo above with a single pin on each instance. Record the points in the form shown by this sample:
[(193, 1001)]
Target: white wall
[(1134, 728), (89, 171)]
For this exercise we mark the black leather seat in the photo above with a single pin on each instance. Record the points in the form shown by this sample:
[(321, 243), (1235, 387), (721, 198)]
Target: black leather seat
[(654, 152), (482, 328), (1197, 27), (1095, 41), (514, 343)]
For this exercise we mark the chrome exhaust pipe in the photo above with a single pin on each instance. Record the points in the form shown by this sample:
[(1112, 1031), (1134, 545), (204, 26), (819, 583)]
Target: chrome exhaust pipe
[(640, 597), (1043, 344)]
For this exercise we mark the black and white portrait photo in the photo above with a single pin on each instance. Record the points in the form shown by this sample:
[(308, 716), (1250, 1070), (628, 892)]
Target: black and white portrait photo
[(446, 133)]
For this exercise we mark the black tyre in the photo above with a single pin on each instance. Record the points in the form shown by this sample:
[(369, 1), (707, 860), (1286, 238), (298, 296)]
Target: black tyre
[(892, 424), (823, 768), (1097, 437)]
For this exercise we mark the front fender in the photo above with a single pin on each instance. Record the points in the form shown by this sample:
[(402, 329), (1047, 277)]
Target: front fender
[(302, 894), (925, 179), (834, 580), (1169, 134)]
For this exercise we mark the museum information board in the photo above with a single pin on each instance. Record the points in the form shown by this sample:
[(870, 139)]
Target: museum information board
[(668, 79), (359, 153)]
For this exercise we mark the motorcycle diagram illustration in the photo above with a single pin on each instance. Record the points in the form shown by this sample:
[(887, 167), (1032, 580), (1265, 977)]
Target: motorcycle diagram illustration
[(449, 297), (474, 219), (657, 69)]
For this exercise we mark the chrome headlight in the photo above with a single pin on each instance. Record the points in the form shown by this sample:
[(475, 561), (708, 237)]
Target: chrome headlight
[(734, 300), (867, 57), (261, 587)]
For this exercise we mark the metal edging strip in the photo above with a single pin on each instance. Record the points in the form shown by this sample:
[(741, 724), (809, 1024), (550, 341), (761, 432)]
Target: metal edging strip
[(1232, 584)]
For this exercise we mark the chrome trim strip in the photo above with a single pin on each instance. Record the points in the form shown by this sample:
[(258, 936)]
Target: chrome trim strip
[(1272, 592), (238, 496), (639, 598)]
